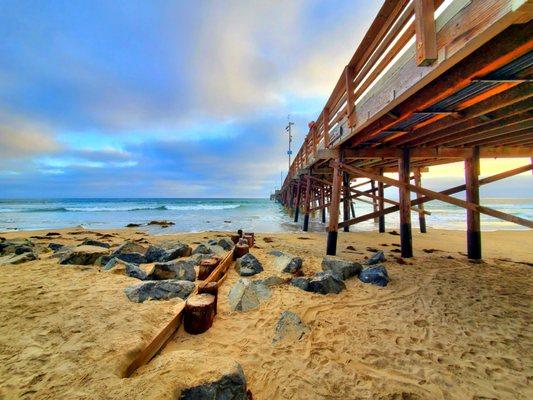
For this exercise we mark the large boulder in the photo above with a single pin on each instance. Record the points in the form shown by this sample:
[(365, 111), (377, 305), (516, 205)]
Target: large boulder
[(15, 259), (326, 282), (118, 266), (180, 269), (16, 246), (135, 258), (129, 247), (289, 327), (376, 275), (202, 249), (248, 265), (345, 269), (288, 263), (226, 243), (161, 254), (159, 290), (246, 295), (155, 253), (83, 255), (92, 242), (376, 258), (300, 282), (55, 246)]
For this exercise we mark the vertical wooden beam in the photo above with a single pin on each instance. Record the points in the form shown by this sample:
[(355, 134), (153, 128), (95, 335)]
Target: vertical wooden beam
[(421, 215), (307, 202), (298, 197), (472, 195), (325, 122), (333, 226), (346, 199), (426, 36), (323, 203), (406, 239), (374, 200), (349, 76), (381, 204)]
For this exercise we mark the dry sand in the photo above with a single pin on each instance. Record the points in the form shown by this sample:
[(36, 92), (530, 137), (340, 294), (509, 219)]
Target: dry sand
[(443, 328)]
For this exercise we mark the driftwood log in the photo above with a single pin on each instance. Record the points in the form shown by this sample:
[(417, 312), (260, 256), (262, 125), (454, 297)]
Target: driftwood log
[(210, 288), (199, 313), (206, 267)]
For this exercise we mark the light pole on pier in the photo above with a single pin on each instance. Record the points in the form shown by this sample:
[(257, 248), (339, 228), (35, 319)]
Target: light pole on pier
[(288, 128)]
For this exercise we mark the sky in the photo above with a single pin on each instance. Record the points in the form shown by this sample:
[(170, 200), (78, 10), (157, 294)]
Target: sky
[(164, 98)]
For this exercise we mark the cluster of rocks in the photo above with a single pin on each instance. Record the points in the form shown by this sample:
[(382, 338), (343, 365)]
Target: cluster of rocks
[(17, 251)]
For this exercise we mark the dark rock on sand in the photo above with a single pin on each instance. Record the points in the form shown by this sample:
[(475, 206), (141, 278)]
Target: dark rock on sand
[(230, 386), (248, 265), (118, 266), (275, 253), (300, 282), (287, 263), (180, 269), (53, 234), (163, 224), (246, 295), (55, 246), (376, 275), (135, 258), (16, 246), (92, 242), (326, 282), (376, 258), (345, 269), (159, 290), (15, 259), (274, 281), (226, 243), (201, 249), (155, 253), (289, 327), (83, 255), (133, 225)]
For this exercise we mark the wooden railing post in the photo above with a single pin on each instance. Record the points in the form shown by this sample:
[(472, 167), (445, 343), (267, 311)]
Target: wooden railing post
[(426, 36), (325, 122), (349, 76)]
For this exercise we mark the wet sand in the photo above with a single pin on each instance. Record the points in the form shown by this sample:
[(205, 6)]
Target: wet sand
[(444, 328)]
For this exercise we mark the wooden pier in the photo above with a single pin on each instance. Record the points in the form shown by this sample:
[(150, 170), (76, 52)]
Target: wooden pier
[(431, 83)]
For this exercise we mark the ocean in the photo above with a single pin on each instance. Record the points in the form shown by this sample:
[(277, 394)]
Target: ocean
[(192, 215)]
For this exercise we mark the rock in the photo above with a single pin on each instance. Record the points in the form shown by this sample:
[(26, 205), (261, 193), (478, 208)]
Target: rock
[(248, 265), (376, 258), (53, 234), (129, 247), (133, 225), (159, 290), (246, 295), (326, 282), (226, 243), (55, 246), (274, 281), (288, 263), (300, 282), (230, 386), (161, 223), (135, 258), (345, 269), (16, 246), (15, 259), (118, 266), (91, 242), (182, 270), (376, 275), (289, 327), (155, 253), (82, 255), (180, 250), (201, 249), (275, 253), (23, 249), (212, 242)]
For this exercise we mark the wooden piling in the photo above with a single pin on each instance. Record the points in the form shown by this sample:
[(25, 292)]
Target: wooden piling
[(381, 204), (307, 205), (421, 215), (346, 199), (406, 239), (333, 226), (297, 205), (472, 196)]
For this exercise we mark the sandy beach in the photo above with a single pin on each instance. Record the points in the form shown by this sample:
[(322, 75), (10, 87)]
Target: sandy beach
[(444, 328)]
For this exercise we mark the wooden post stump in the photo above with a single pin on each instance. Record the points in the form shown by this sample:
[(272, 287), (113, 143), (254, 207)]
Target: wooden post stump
[(240, 250), (199, 313), (210, 288), (252, 235), (235, 238), (249, 240), (206, 267)]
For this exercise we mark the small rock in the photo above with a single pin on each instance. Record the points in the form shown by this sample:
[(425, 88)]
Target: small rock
[(226, 243), (15, 246), (182, 270), (246, 295), (55, 246), (159, 290), (133, 225), (129, 247), (201, 249), (376, 275), (118, 266), (23, 249), (53, 234), (83, 255), (350, 248), (179, 250), (161, 223), (135, 258), (394, 233), (212, 242), (326, 282), (289, 327), (248, 265), (274, 281), (92, 242), (15, 259), (376, 258), (300, 282), (345, 269), (288, 263), (275, 253)]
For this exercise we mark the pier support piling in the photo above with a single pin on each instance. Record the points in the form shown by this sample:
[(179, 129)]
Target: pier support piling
[(381, 205), (307, 202), (333, 227), (406, 239), (472, 196), (346, 199), (297, 205), (421, 215)]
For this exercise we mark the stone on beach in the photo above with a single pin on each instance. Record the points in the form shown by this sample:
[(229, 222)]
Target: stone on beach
[(201, 249), (15, 259), (289, 327), (16, 246), (55, 246), (159, 290), (376, 275), (92, 242), (274, 280), (246, 295), (376, 258), (118, 266), (83, 255), (345, 269), (129, 247), (180, 269), (287, 263), (248, 265), (323, 282), (226, 243)]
